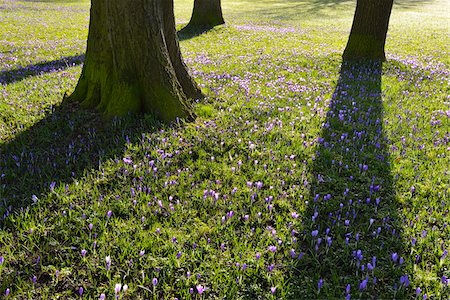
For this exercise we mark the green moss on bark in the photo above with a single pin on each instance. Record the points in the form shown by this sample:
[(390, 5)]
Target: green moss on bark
[(133, 62)]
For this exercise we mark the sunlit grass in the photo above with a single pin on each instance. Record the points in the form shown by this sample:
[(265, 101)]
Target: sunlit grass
[(225, 207)]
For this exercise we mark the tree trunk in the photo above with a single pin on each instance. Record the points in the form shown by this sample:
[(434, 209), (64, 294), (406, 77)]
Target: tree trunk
[(206, 14), (133, 61), (369, 29)]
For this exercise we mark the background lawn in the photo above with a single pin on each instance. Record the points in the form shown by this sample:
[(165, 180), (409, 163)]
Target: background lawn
[(300, 179)]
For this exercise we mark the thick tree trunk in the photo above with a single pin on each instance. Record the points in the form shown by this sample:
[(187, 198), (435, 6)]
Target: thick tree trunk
[(206, 14), (369, 29), (133, 61)]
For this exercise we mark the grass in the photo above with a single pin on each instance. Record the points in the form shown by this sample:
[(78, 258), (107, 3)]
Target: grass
[(298, 173)]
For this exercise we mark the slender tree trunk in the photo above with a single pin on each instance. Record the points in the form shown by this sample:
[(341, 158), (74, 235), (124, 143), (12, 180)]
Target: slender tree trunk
[(133, 61), (369, 29), (206, 14)]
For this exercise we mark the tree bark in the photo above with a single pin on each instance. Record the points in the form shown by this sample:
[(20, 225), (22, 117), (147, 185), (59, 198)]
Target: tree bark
[(206, 14), (133, 61), (369, 29)]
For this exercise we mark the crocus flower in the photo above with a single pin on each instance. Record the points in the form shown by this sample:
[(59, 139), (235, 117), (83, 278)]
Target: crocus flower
[(108, 262), (320, 284), (117, 288), (292, 252), (394, 257), (418, 291), (200, 289), (363, 285)]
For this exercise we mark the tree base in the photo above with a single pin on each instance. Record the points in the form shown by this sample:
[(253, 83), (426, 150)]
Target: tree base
[(206, 15), (133, 62)]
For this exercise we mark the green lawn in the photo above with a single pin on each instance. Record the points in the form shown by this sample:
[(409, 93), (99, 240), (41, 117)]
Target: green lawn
[(300, 179)]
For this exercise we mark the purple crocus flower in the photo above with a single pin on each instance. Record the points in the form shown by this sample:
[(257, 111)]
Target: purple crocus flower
[(292, 252), (108, 262), (404, 280), (200, 289), (273, 290), (117, 288), (320, 284), (363, 285), (444, 280), (155, 281), (418, 291), (272, 248), (394, 257)]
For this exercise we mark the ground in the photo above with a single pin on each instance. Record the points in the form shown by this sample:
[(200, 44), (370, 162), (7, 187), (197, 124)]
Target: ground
[(299, 179)]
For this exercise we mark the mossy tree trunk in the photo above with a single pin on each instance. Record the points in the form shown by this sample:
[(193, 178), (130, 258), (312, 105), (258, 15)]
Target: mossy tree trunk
[(133, 61), (206, 14), (369, 29)]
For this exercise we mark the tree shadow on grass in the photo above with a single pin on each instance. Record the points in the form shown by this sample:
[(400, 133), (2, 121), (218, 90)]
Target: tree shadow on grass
[(60, 149), (15, 75), (352, 229), (189, 32), (296, 9)]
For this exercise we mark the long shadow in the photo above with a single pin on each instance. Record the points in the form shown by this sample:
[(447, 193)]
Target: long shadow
[(188, 32), (60, 149), (14, 75), (353, 232), (294, 8)]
